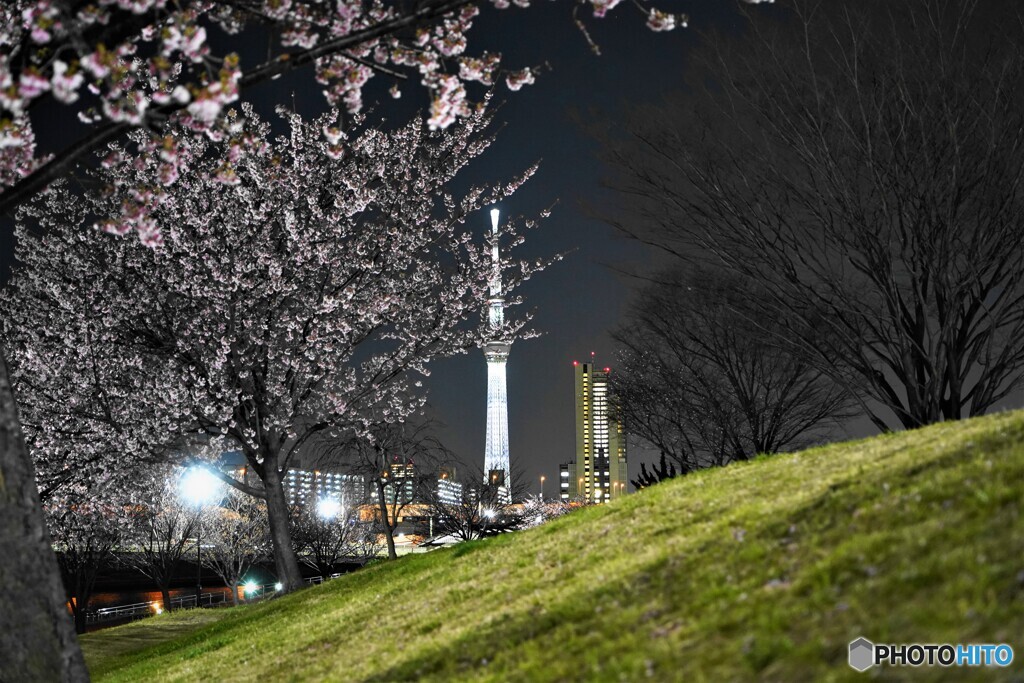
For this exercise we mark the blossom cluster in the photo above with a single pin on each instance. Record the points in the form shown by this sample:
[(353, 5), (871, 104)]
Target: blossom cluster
[(138, 62)]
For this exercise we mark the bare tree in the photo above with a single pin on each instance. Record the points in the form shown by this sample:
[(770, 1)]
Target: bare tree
[(702, 379), (398, 461), (159, 536), (483, 508), (324, 539), (863, 166), (235, 538)]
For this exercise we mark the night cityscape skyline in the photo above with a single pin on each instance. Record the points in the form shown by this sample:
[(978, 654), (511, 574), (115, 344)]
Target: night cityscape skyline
[(314, 297), (578, 300)]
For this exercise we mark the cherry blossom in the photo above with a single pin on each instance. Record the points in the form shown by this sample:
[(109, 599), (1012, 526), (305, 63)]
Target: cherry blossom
[(286, 288), (139, 63)]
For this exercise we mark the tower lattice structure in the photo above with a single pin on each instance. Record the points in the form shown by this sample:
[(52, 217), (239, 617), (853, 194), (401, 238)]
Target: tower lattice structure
[(496, 350)]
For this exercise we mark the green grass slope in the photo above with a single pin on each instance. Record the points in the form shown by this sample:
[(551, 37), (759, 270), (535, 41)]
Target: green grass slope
[(761, 570)]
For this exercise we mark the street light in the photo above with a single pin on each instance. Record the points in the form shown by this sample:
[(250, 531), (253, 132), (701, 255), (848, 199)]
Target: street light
[(328, 508), (542, 488), (199, 486)]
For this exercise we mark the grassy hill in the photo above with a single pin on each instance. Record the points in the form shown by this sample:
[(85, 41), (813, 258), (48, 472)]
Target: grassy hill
[(761, 570)]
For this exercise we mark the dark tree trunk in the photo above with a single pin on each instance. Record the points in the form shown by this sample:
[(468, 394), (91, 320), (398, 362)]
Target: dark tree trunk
[(37, 640), (234, 593), (389, 530), (288, 572), (80, 611), (84, 580), (165, 595)]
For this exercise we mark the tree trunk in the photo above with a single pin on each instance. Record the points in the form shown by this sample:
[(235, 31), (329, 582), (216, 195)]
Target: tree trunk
[(389, 531), (165, 595), (85, 578), (80, 611), (37, 640), (288, 572), (234, 593)]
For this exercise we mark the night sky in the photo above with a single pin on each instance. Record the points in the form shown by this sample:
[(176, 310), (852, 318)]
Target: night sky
[(579, 300)]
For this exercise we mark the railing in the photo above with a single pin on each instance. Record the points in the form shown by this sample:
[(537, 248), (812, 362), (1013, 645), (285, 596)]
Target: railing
[(139, 610), (146, 609)]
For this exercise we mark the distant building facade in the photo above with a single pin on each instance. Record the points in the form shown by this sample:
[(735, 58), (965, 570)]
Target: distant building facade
[(308, 487), (406, 484), (598, 473)]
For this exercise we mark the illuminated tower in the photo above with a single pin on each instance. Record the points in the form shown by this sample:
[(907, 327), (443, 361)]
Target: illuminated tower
[(598, 473), (496, 465)]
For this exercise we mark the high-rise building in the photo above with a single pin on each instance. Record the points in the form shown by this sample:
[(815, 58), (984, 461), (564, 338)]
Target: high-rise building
[(308, 487), (449, 490), (598, 474), (496, 349)]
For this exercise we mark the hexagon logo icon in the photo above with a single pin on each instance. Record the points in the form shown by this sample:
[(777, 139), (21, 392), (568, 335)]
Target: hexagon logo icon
[(862, 654)]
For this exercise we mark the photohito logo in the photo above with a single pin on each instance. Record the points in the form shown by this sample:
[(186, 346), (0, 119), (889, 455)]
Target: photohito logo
[(864, 654)]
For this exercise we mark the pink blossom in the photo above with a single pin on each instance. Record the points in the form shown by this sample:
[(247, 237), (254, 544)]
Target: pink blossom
[(32, 84), (602, 7), (660, 21), (205, 108), (96, 63), (449, 102), (517, 79), (65, 85)]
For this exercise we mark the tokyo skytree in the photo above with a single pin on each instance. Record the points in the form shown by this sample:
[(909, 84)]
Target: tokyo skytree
[(496, 463)]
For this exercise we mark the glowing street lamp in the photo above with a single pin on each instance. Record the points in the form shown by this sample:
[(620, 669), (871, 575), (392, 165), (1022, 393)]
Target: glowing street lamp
[(328, 508), (199, 486), (542, 487)]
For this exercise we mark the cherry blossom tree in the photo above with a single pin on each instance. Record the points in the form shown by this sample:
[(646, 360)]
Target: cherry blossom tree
[(83, 424), (37, 640), (135, 64), (85, 534), (303, 284)]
